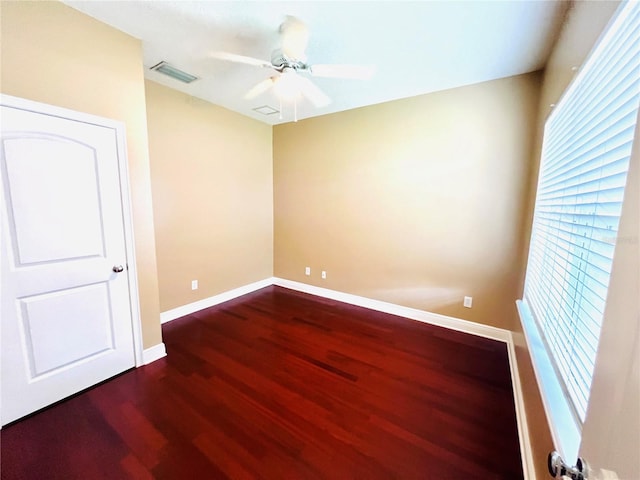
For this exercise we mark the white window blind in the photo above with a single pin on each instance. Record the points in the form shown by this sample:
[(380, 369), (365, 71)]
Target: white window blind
[(585, 158)]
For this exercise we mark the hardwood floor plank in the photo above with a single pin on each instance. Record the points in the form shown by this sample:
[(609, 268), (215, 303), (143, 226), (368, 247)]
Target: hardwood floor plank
[(279, 384), (133, 468)]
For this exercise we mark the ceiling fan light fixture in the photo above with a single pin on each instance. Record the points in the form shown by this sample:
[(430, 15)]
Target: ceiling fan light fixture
[(290, 84), (287, 86)]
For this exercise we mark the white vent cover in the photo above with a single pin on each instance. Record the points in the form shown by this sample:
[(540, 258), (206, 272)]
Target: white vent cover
[(173, 72)]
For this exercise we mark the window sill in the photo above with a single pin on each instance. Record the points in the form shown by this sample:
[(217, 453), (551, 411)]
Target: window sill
[(565, 429)]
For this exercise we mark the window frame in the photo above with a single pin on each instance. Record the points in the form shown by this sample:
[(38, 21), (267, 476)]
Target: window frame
[(565, 424)]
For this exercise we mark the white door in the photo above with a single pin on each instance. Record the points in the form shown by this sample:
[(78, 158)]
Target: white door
[(66, 310)]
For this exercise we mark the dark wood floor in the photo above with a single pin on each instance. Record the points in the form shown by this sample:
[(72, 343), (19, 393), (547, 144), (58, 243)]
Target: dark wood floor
[(279, 384)]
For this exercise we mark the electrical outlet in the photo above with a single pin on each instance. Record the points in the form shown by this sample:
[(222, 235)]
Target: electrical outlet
[(307, 270), (194, 284), (324, 274), (468, 301)]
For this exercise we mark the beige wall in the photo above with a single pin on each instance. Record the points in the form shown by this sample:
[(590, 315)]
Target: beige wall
[(583, 26), (211, 172), (416, 202), (56, 55)]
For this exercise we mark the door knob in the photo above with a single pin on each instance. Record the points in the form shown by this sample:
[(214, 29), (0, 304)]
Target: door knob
[(118, 268), (558, 468)]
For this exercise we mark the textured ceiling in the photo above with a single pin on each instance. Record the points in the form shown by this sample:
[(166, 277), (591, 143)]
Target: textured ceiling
[(417, 47)]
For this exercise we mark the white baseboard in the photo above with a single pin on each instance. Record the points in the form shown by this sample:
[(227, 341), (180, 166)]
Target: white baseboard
[(211, 301), (452, 323), (154, 353), (526, 452)]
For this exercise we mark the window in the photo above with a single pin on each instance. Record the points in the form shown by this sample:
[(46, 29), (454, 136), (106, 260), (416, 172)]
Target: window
[(585, 158)]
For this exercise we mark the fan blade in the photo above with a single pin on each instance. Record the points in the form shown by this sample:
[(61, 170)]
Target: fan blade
[(295, 36), (262, 86), (355, 72), (232, 57), (313, 93)]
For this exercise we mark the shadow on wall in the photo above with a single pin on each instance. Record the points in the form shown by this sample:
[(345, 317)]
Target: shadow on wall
[(448, 301), (430, 297)]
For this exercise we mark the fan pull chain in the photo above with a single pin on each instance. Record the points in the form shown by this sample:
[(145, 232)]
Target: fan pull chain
[(295, 110), (280, 109)]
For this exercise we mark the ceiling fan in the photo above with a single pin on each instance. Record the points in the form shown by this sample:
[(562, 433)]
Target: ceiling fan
[(290, 65)]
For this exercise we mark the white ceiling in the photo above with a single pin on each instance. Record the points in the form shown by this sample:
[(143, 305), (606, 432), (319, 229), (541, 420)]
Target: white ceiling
[(418, 47)]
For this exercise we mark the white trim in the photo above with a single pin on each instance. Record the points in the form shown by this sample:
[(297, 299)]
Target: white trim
[(565, 430), (211, 301), (528, 466), (154, 353), (125, 195), (452, 323), (56, 111), (127, 214)]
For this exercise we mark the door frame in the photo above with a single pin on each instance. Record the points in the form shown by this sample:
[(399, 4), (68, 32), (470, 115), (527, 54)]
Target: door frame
[(125, 197)]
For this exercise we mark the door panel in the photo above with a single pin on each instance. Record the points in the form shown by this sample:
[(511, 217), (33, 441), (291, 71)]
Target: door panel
[(66, 214), (83, 327), (66, 315)]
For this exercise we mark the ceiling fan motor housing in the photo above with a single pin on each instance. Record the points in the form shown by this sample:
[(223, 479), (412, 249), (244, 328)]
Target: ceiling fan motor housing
[(280, 61)]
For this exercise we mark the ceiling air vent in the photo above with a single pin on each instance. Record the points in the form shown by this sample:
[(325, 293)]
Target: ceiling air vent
[(164, 67), (266, 110)]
